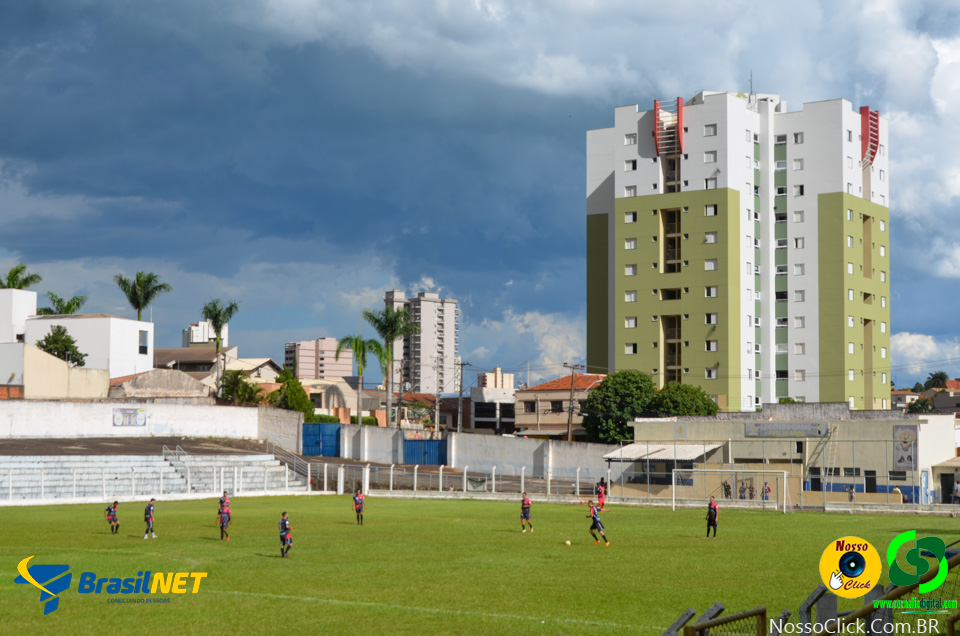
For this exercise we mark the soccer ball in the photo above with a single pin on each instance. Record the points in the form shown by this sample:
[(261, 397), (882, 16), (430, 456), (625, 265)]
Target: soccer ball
[(568, 542)]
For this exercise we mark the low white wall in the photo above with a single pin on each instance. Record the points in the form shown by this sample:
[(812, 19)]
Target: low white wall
[(36, 418)]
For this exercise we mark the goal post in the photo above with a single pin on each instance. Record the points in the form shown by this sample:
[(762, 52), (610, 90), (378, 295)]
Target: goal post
[(700, 483)]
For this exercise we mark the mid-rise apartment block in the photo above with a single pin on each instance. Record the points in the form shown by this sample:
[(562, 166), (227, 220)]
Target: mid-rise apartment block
[(428, 361), (317, 359), (743, 248), (202, 334)]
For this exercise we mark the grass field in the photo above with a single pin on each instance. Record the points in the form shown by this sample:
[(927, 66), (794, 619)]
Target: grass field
[(423, 566)]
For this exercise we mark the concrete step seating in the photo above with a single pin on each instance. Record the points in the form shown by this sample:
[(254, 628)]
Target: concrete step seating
[(110, 476)]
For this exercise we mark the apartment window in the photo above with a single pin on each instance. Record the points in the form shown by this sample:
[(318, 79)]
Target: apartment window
[(712, 345), (780, 297), (630, 244), (849, 188), (781, 244), (756, 243), (849, 135), (710, 130), (756, 321), (849, 294), (630, 322), (143, 343), (711, 291), (798, 216), (850, 162), (710, 237), (849, 268), (630, 139), (799, 322), (849, 321), (882, 150), (782, 349), (849, 241), (799, 295), (782, 322), (670, 294), (883, 276), (798, 190), (712, 374), (710, 264), (556, 406), (883, 250), (710, 210), (710, 156), (630, 164), (799, 348), (849, 215), (798, 164), (748, 136), (883, 175), (780, 139), (850, 348), (781, 270), (781, 191), (883, 301), (629, 217), (780, 166), (798, 242), (756, 137), (653, 186), (630, 296), (851, 375), (800, 375), (629, 270), (710, 184), (798, 269), (630, 191), (883, 327), (883, 225), (798, 138), (630, 348), (883, 378), (756, 190), (756, 347), (756, 270), (711, 319), (529, 407)]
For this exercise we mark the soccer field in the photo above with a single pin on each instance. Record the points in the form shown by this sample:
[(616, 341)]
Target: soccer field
[(422, 566)]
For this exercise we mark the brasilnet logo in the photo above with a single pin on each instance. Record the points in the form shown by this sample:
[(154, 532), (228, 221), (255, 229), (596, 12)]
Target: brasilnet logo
[(934, 545), (53, 581)]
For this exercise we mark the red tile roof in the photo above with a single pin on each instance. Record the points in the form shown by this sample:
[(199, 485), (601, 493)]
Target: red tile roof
[(429, 398), (123, 378), (953, 384), (584, 382)]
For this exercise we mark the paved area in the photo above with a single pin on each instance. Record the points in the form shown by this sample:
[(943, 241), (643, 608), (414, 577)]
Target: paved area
[(128, 446)]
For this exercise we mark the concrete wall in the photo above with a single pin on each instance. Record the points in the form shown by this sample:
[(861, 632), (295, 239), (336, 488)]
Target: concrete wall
[(110, 342), (35, 418), (280, 426), (47, 377)]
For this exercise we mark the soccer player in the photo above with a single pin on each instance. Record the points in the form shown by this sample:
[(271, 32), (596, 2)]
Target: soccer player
[(713, 513), (110, 514), (601, 492), (285, 539), (148, 517), (224, 502), (596, 525), (224, 522), (525, 514), (358, 506)]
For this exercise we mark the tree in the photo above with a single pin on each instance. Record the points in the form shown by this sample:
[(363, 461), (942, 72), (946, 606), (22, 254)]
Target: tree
[(614, 403), (419, 409), (921, 405), (235, 387), (390, 324), (142, 290), (361, 349), (682, 399), (60, 306), (292, 396), (936, 380), (218, 315), (918, 388), (19, 278), (61, 344)]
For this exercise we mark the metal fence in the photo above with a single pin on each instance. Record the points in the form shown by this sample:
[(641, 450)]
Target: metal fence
[(751, 623)]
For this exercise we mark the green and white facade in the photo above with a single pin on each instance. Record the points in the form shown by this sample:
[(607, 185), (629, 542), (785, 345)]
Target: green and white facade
[(742, 248)]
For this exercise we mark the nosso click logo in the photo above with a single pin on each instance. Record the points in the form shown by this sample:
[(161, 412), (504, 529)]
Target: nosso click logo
[(55, 579)]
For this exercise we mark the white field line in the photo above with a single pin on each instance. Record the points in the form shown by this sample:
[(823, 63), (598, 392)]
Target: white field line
[(435, 610)]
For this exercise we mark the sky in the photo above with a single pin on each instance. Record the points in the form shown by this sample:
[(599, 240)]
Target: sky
[(301, 158)]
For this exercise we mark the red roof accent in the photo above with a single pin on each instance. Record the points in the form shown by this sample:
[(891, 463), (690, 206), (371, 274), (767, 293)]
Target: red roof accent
[(680, 122), (584, 382), (428, 398), (123, 378), (656, 132)]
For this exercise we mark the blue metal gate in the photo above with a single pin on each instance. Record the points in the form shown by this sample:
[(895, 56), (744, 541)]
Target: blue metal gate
[(425, 451), (321, 439)]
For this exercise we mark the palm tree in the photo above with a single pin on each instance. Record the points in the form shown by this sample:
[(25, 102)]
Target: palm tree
[(142, 290), (936, 380), (19, 278), (61, 306), (390, 324), (361, 349), (218, 315)]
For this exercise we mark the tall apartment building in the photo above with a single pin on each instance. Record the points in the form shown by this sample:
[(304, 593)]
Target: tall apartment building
[(317, 359), (202, 334), (742, 248), (428, 360)]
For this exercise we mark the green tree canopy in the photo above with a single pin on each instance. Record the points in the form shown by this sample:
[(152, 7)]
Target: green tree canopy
[(390, 324), (292, 395), (235, 387), (61, 344), (19, 278), (936, 380), (917, 388), (219, 314), (62, 306), (361, 349), (683, 399), (921, 405), (141, 290), (614, 403)]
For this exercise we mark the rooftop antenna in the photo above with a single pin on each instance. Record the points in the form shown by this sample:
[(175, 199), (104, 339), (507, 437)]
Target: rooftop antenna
[(752, 96)]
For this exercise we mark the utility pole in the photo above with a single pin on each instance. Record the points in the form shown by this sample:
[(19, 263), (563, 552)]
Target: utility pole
[(460, 403), (573, 383)]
